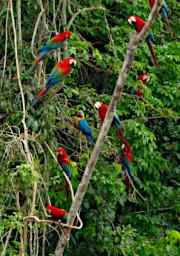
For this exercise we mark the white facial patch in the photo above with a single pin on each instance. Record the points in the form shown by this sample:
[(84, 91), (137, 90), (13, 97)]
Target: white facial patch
[(146, 78), (131, 20), (72, 61), (97, 105), (123, 146)]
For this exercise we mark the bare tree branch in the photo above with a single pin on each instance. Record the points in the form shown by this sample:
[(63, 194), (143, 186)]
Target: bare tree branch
[(133, 44)]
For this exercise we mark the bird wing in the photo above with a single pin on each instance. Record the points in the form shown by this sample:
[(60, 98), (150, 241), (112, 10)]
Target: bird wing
[(56, 76), (66, 168), (84, 127), (116, 118)]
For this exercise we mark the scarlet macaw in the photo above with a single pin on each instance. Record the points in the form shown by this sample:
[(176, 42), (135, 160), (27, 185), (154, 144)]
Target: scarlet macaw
[(139, 24), (144, 78), (102, 109), (81, 124), (165, 19), (127, 159), (57, 75), (57, 213), (51, 45)]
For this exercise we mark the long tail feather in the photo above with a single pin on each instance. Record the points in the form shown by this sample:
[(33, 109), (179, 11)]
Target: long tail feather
[(39, 96), (166, 23), (152, 53), (123, 139), (34, 65), (127, 182), (90, 139)]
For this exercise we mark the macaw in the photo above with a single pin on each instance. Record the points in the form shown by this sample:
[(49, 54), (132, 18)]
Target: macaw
[(81, 124), (57, 213), (57, 75), (144, 78), (102, 109), (64, 161), (123, 139), (165, 19), (139, 24), (51, 45), (127, 159)]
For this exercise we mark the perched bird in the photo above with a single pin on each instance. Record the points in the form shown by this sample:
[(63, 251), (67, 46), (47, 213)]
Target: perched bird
[(127, 159), (139, 24), (57, 213), (164, 12), (52, 44), (81, 124), (102, 109), (64, 161), (57, 75), (144, 78)]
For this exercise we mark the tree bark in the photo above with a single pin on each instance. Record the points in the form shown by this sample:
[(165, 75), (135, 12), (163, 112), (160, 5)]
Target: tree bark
[(133, 44)]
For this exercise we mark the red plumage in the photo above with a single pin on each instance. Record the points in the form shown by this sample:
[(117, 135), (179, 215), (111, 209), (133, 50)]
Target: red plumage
[(151, 2), (127, 182), (102, 111), (40, 94), (126, 153), (139, 24), (166, 23), (152, 53), (62, 36), (144, 78), (65, 66), (123, 139), (63, 156), (56, 213), (165, 19)]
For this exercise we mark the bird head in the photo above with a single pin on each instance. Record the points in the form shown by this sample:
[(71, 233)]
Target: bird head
[(97, 104), (67, 34), (123, 147), (132, 20), (71, 61), (144, 78), (49, 207), (62, 152), (80, 114)]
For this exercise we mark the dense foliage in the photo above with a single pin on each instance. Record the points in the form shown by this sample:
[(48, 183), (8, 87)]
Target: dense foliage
[(114, 223)]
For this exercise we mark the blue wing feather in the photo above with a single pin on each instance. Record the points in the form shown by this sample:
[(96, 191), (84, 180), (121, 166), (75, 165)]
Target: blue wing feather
[(66, 168), (128, 166), (54, 78), (117, 120), (84, 127)]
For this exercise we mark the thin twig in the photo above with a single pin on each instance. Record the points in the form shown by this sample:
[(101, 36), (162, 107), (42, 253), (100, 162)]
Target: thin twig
[(35, 31)]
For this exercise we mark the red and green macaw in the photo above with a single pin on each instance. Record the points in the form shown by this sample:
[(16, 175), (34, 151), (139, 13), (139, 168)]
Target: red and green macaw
[(57, 213), (139, 24), (127, 159), (164, 12), (81, 124), (60, 71), (144, 78), (102, 109), (52, 44), (64, 161)]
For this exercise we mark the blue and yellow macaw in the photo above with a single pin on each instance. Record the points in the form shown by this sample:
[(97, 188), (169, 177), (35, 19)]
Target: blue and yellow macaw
[(81, 124)]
